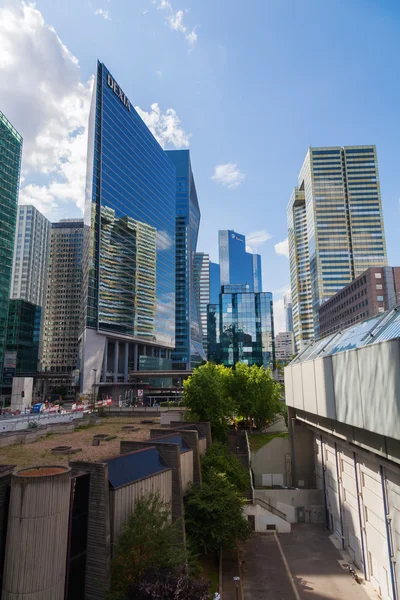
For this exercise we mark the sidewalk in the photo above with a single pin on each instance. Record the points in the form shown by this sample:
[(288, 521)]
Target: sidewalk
[(230, 569)]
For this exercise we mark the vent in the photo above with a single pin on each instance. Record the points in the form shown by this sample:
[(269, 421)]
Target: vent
[(271, 527)]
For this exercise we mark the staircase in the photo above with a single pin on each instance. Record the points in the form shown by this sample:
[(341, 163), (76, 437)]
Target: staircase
[(239, 446)]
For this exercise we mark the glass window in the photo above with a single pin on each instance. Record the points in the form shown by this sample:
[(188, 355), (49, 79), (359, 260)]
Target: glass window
[(378, 275)]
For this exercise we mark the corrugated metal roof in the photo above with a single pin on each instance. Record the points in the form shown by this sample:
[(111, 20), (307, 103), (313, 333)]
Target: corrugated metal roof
[(382, 327), (131, 467)]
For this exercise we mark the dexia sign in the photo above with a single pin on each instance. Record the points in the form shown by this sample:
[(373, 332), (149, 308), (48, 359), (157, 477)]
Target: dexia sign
[(118, 92)]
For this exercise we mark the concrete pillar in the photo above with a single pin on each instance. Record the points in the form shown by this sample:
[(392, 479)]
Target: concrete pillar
[(126, 358), (135, 357), (37, 536), (191, 437), (105, 361), (116, 358), (5, 481), (153, 350), (203, 426)]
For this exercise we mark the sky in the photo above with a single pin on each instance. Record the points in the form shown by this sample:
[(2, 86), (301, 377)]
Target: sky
[(247, 86)]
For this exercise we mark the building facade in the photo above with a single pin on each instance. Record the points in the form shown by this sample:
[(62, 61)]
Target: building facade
[(129, 250), (241, 327), (287, 303), (373, 292), (215, 282), (236, 265), (10, 167), (284, 346), (335, 229), (189, 351), (31, 256), (61, 328), (202, 288)]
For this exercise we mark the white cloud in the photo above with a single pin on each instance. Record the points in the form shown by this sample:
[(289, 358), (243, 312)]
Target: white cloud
[(163, 240), (166, 127), (257, 238), (159, 74), (175, 21), (282, 248), (228, 175), (103, 13)]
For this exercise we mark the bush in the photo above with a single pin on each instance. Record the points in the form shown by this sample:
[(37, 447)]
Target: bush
[(219, 459), (167, 584)]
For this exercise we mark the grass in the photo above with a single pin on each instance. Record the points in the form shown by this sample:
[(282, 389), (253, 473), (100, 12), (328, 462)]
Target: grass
[(258, 440), (210, 566)]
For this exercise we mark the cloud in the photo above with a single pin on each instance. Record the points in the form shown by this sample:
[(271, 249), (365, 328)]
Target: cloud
[(282, 248), (159, 74), (256, 239), (175, 21), (228, 175), (103, 13), (166, 127), (163, 240)]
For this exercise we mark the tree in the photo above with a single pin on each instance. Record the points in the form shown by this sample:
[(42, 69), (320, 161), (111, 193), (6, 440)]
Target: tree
[(214, 514), (148, 541), (207, 394), (168, 584), (219, 459)]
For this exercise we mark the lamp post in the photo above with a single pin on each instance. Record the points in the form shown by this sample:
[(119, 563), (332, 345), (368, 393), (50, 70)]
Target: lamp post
[(236, 580)]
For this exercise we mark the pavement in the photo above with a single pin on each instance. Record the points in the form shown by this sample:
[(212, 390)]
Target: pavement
[(230, 569), (302, 565)]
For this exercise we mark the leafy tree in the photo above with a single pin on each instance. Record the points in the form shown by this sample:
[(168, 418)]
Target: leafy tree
[(219, 459), (148, 541), (168, 584), (214, 514), (207, 394)]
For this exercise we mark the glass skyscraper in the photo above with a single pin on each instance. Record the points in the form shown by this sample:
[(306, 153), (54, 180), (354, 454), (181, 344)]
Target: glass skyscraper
[(236, 265), (241, 327), (10, 166), (129, 247), (202, 288), (189, 351), (22, 342), (335, 229), (215, 282)]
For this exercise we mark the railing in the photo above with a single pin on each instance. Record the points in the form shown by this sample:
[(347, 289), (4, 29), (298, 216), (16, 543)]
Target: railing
[(271, 508), (250, 471)]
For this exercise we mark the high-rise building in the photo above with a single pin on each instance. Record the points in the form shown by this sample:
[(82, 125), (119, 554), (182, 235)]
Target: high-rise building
[(31, 256), (189, 351), (241, 327), (129, 250), (10, 166), (215, 282), (335, 229), (284, 346), (375, 291), (63, 302), (236, 265), (202, 287), (287, 303)]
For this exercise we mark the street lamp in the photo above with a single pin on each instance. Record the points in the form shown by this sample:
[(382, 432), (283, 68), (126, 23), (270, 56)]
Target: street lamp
[(236, 580)]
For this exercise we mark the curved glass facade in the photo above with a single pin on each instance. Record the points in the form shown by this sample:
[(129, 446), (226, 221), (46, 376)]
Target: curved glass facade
[(129, 273), (236, 265)]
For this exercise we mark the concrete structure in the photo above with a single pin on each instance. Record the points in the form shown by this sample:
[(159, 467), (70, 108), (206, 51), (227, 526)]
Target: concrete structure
[(373, 292), (287, 304), (22, 393), (202, 289), (284, 346), (343, 394), (37, 534), (271, 464), (335, 229), (31, 256)]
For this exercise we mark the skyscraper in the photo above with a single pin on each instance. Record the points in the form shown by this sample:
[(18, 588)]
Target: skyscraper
[(287, 303), (10, 166), (335, 229), (189, 350), (241, 327), (129, 248), (215, 282), (31, 256), (238, 266), (202, 287)]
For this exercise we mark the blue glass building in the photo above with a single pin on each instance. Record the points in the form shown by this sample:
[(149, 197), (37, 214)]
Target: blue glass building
[(189, 350), (215, 282), (129, 249), (241, 327), (238, 266)]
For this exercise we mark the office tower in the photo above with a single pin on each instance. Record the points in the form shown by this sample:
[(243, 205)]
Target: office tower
[(31, 255), (244, 323), (202, 287), (189, 350), (22, 342), (63, 301), (284, 346), (238, 266), (375, 291), (128, 316), (335, 229), (10, 165), (215, 283), (287, 303)]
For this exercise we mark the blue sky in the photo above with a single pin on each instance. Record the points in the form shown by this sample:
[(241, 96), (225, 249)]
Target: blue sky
[(252, 84)]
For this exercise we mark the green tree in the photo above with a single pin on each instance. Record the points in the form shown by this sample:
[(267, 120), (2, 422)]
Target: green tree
[(214, 514), (169, 584), (148, 541), (207, 394), (219, 459)]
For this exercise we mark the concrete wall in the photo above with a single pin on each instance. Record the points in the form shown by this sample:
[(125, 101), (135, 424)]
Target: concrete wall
[(93, 345), (19, 385), (187, 470), (287, 501), (263, 518), (123, 500), (175, 416), (271, 459)]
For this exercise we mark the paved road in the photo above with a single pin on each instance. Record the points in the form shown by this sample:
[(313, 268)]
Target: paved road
[(312, 561)]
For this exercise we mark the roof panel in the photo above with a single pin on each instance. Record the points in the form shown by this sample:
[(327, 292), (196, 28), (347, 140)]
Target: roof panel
[(134, 466)]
